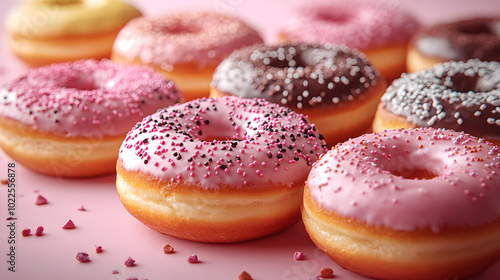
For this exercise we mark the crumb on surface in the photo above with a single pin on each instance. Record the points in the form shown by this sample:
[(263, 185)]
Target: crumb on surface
[(326, 272), (168, 249)]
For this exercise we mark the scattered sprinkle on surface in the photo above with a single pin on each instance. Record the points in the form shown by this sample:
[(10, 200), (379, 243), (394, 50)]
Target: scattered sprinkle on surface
[(26, 232), (39, 231), (298, 256), (82, 257), (193, 259), (40, 200), (69, 225), (244, 276), (130, 262)]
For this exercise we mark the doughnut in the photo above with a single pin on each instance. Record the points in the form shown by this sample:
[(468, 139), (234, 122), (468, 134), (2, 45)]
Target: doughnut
[(192, 45), (459, 40), (69, 119), (42, 32), (335, 86), (218, 170), (407, 204), (462, 96), (381, 31)]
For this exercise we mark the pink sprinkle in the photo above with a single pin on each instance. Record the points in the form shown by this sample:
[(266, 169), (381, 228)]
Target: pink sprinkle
[(298, 256), (115, 271), (26, 232), (39, 231), (82, 257), (98, 249), (130, 262), (192, 259), (40, 200), (69, 225), (82, 208)]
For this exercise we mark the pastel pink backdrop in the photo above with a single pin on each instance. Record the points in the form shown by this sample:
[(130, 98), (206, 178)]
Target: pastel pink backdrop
[(106, 223)]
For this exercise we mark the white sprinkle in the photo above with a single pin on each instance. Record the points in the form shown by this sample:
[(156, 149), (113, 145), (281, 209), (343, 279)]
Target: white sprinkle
[(305, 93), (490, 120), (330, 85)]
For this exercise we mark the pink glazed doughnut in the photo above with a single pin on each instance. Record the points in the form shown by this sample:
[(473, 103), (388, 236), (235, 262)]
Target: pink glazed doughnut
[(407, 204), (381, 31), (69, 119), (218, 170), (185, 47)]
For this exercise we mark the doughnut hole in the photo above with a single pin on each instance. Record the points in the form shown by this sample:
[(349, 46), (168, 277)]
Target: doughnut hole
[(332, 17), (477, 28), (80, 82), (413, 166)]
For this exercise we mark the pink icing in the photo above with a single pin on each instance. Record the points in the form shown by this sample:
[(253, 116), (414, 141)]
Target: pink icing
[(355, 24), (203, 38), (86, 98), (225, 141), (364, 179)]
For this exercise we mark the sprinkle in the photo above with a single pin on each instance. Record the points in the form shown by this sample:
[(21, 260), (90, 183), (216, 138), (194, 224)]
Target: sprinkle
[(244, 276), (167, 249), (192, 258), (82, 208), (130, 262), (326, 272), (69, 225), (298, 256), (82, 257), (115, 271), (98, 249), (4, 182), (39, 231), (26, 232), (40, 200)]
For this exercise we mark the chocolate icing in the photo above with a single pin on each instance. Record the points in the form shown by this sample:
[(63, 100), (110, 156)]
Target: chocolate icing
[(461, 40), (463, 96), (296, 75)]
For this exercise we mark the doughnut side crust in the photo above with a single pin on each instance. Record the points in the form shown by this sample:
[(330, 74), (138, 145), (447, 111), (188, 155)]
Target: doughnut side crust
[(40, 51), (389, 254), (389, 60), (416, 61), (191, 80), (217, 216), (59, 155)]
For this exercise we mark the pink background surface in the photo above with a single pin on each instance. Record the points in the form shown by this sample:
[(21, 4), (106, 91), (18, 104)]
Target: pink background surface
[(106, 223)]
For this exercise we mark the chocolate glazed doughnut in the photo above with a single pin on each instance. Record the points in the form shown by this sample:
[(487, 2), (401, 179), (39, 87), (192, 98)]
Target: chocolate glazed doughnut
[(463, 96), (335, 86), (460, 40)]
